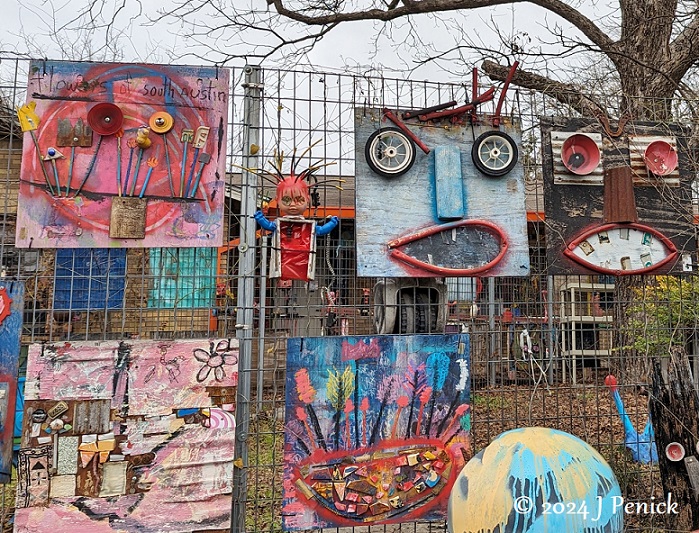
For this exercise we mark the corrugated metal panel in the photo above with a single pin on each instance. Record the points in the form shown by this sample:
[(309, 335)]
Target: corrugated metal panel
[(641, 176), (561, 175), (619, 199)]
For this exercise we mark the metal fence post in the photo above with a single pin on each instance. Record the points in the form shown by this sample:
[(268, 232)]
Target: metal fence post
[(246, 292)]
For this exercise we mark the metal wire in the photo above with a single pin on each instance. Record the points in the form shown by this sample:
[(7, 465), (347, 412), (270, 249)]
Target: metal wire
[(546, 385)]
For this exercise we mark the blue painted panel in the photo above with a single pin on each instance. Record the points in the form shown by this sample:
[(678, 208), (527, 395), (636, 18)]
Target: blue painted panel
[(183, 277), (449, 192), (10, 332), (19, 413), (89, 279)]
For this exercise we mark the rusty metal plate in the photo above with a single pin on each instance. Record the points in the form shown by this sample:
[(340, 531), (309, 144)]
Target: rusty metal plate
[(619, 199), (92, 417), (128, 218)]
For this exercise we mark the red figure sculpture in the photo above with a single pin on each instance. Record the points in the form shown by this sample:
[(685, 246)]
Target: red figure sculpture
[(294, 246)]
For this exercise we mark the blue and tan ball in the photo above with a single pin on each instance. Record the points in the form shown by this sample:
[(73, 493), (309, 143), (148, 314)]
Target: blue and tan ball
[(535, 465)]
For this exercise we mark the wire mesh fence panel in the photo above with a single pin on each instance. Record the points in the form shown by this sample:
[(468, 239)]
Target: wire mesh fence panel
[(541, 344)]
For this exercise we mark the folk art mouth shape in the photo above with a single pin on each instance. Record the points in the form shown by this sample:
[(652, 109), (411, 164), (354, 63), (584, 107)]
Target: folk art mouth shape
[(392, 481), (621, 249), (377, 428), (461, 248)]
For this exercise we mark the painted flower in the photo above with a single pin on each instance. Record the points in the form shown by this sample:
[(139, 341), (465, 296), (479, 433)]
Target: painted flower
[(214, 360)]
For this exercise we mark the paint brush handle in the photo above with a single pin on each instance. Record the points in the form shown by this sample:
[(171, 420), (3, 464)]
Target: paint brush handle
[(41, 162), (132, 145), (184, 164), (152, 162), (135, 175), (70, 169), (169, 169), (119, 135), (55, 176), (191, 173), (203, 160), (92, 165), (145, 183)]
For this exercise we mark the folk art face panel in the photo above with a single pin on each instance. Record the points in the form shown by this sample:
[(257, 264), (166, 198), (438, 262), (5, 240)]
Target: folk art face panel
[(377, 428), (618, 202), (127, 155), (146, 424), (457, 210)]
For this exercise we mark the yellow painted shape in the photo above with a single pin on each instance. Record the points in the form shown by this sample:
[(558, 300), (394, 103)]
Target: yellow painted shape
[(28, 119), (488, 479), (106, 445)]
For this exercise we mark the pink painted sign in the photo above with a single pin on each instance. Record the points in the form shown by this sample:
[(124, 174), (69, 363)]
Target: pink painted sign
[(125, 432), (127, 155)]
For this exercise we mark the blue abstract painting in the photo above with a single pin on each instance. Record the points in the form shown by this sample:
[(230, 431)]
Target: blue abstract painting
[(377, 428)]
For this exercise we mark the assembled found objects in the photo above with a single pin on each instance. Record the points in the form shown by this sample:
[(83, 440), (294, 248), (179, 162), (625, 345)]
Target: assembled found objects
[(294, 236)]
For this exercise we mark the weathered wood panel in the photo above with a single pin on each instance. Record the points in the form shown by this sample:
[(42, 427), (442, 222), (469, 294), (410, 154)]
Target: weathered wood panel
[(572, 210), (390, 208)]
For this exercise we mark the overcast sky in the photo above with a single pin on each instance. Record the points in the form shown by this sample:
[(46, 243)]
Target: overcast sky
[(27, 27)]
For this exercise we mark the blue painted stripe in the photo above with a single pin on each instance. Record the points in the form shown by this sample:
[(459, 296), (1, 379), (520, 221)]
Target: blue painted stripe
[(448, 183)]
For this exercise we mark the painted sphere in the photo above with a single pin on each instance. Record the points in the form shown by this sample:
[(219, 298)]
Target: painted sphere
[(536, 480)]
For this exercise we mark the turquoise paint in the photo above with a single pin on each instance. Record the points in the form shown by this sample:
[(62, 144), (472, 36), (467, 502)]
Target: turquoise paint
[(545, 467), (182, 278), (448, 183)]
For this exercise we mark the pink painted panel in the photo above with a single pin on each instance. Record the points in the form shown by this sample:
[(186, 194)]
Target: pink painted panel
[(70, 200), (172, 433)]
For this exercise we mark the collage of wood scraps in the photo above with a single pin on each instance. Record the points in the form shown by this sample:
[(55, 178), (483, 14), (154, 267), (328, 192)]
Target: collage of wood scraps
[(118, 434), (122, 155)]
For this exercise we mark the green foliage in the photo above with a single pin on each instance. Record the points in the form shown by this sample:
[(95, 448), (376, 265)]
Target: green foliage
[(663, 313)]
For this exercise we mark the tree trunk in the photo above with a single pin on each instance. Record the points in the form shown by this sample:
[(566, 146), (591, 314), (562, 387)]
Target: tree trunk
[(674, 409)]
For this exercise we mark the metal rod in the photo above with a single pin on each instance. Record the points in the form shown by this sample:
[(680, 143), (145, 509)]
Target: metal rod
[(551, 339), (401, 125), (263, 311), (246, 293), (491, 327)]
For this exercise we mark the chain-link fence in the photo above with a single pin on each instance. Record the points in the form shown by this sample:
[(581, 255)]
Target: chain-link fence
[(541, 344)]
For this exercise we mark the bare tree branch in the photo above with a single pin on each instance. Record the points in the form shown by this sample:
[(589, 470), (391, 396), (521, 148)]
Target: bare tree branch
[(565, 93)]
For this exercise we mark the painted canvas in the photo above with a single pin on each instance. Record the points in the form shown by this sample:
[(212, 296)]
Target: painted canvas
[(618, 201), (118, 435), (448, 215), (11, 311), (122, 155), (377, 428)]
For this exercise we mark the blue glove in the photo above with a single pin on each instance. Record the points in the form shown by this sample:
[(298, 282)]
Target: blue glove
[(327, 227), (264, 223)]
